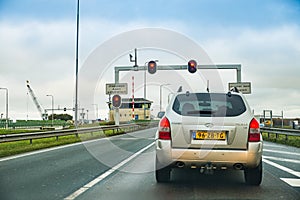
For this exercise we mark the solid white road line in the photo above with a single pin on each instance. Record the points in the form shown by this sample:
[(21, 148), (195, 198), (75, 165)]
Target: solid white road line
[(61, 147), (39, 151), (270, 145), (133, 139), (282, 159), (106, 174), (282, 152), (288, 170)]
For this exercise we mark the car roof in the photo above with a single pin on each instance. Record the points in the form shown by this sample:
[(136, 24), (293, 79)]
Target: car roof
[(236, 93)]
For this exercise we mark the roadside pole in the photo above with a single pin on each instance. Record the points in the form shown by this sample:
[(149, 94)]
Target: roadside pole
[(117, 116)]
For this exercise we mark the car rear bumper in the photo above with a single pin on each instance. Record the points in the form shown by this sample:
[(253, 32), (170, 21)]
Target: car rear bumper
[(248, 158)]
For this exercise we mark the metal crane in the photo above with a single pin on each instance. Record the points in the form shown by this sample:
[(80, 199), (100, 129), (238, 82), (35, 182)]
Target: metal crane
[(43, 115)]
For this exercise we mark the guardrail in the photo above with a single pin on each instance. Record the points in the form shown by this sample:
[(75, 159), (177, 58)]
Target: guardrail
[(48, 134), (280, 131)]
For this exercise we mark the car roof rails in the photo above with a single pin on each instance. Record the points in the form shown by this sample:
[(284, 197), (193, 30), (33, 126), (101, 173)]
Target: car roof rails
[(179, 89), (234, 89)]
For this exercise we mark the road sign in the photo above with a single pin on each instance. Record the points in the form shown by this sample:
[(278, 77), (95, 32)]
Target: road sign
[(116, 88), (244, 87)]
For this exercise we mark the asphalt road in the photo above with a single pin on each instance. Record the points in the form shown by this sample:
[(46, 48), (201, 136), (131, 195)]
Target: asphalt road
[(122, 167)]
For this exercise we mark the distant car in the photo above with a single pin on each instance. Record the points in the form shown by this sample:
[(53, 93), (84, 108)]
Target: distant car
[(209, 131), (261, 125), (160, 114)]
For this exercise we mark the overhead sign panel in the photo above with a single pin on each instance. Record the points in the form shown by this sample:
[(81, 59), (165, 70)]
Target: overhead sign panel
[(244, 87), (116, 88)]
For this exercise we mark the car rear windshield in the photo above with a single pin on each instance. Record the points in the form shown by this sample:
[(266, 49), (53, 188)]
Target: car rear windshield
[(209, 105)]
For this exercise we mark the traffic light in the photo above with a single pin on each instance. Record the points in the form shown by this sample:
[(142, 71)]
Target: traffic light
[(116, 101), (151, 67), (65, 109), (192, 66)]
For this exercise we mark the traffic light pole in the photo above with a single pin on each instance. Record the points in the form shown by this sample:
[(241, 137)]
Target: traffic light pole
[(237, 67), (116, 103), (118, 69), (59, 109), (117, 116)]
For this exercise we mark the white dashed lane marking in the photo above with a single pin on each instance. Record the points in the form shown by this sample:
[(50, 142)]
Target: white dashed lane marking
[(294, 182), (279, 156)]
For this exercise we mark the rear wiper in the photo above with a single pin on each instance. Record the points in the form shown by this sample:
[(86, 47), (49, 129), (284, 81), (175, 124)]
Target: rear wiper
[(201, 112)]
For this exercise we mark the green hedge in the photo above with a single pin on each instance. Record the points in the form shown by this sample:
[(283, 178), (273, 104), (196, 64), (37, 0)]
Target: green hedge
[(292, 140)]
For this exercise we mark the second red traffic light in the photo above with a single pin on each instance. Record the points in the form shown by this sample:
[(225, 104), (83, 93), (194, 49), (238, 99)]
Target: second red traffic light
[(116, 101), (151, 67), (192, 66)]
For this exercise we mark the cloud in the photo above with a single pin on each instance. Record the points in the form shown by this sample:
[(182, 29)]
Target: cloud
[(270, 60), (44, 53)]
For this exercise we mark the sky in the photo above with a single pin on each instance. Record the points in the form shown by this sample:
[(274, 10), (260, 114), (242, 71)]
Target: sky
[(37, 43)]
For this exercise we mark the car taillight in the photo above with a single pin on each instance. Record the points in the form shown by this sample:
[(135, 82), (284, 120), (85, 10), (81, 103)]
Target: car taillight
[(254, 131), (164, 129)]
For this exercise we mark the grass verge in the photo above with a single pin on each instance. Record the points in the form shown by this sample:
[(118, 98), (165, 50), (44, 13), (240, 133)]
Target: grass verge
[(13, 148), (292, 140), (15, 131)]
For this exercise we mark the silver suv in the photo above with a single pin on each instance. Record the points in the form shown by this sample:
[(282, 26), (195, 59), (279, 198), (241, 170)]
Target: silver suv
[(209, 131)]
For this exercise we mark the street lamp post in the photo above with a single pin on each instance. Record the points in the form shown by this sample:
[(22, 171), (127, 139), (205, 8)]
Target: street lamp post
[(52, 101), (145, 90), (87, 115), (6, 125), (96, 110), (172, 93), (160, 95), (76, 67)]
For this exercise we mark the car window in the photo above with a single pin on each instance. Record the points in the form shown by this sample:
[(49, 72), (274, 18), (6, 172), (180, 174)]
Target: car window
[(209, 105)]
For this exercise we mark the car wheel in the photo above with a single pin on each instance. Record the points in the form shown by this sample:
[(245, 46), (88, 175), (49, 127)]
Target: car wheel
[(162, 174), (254, 176)]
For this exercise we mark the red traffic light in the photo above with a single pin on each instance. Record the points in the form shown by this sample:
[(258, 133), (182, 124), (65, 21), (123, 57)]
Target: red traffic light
[(116, 101), (192, 66), (151, 67)]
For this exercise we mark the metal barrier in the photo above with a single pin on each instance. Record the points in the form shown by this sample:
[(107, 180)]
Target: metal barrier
[(280, 131), (48, 134)]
